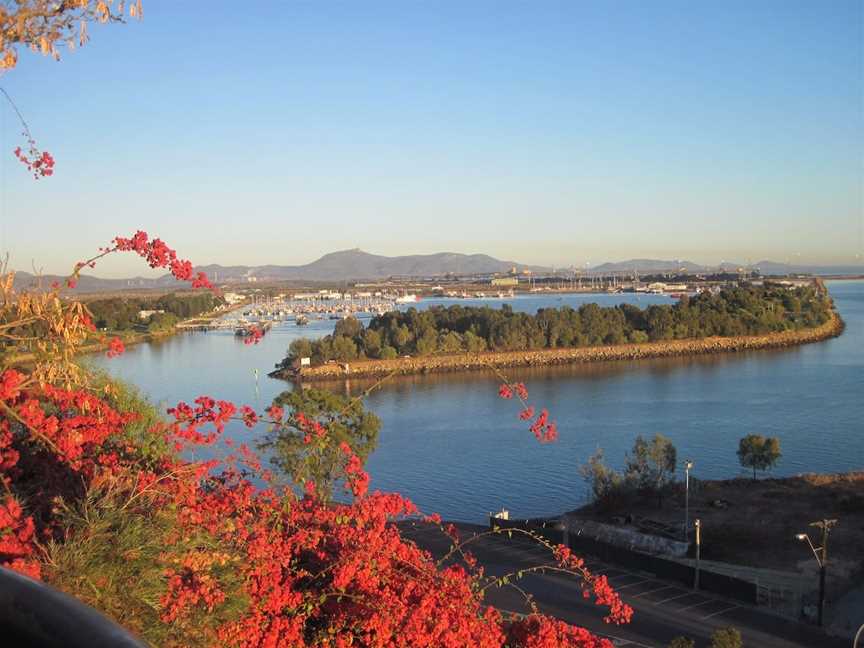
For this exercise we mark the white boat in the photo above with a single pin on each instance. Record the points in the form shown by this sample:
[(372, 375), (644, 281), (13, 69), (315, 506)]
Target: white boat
[(407, 299)]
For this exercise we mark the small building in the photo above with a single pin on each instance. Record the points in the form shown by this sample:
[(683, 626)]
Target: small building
[(147, 314)]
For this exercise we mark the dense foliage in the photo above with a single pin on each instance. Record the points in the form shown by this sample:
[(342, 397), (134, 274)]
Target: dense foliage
[(750, 310), (649, 470), (122, 313), (102, 500)]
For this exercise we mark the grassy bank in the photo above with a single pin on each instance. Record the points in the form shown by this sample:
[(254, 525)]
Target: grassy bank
[(546, 357)]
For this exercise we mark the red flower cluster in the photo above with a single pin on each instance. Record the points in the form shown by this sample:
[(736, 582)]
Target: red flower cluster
[(39, 163), (115, 348), (189, 420), (254, 336), (250, 417), (542, 429), (159, 255)]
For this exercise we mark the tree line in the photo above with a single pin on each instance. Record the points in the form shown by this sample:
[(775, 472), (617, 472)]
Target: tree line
[(121, 313), (650, 467), (749, 310)]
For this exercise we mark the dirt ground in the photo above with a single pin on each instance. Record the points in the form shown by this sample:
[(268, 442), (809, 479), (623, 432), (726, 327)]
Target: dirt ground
[(754, 523)]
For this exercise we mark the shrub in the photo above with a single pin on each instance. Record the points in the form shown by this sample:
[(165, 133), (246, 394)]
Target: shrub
[(726, 638), (682, 642)]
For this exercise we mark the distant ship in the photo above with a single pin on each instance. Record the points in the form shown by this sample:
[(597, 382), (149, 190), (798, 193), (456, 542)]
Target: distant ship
[(407, 299), (301, 320)]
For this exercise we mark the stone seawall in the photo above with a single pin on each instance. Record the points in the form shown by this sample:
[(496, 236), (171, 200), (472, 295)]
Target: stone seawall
[(545, 357)]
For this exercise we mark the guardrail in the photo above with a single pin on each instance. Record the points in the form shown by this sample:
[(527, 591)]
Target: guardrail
[(33, 614)]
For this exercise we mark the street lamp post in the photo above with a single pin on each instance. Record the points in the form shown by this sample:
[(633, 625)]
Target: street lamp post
[(688, 465), (858, 636), (698, 526), (821, 554)]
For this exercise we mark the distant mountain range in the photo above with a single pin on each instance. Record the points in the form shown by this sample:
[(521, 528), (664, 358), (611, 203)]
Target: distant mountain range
[(358, 265), (336, 266)]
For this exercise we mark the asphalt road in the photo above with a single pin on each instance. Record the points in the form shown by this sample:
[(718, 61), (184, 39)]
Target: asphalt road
[(662, 610)]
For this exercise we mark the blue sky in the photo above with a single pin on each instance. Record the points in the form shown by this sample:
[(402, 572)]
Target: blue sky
[(544, 132)]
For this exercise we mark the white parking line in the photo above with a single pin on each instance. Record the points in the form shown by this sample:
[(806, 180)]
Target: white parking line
[(623, 587), (696, 605), (729, 609), (672, 598), (659, 589)]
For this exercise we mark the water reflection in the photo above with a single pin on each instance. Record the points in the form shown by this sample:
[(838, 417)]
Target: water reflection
[(591, 372)]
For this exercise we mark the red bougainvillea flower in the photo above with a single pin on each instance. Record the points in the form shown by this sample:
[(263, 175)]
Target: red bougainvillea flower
[(542, 429), (9, 382), (159, 255), (254, 336), (39, 163), (115, 348)]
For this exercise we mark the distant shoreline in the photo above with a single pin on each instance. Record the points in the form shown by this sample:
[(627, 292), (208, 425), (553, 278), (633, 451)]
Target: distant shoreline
[(576, 355)]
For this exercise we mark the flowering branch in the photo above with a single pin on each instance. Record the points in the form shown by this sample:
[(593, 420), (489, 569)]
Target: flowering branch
[(39, 163)]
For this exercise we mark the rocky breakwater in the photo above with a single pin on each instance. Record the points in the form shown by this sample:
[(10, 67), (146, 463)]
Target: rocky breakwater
[(545, 357)]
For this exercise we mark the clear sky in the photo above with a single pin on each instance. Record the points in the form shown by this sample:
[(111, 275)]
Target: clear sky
[(542, 132)]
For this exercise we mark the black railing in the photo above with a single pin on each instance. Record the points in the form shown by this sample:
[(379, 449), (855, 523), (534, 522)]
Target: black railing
[(32, 614)]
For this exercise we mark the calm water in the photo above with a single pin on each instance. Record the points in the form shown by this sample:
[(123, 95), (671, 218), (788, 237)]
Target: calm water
[(451, 445)]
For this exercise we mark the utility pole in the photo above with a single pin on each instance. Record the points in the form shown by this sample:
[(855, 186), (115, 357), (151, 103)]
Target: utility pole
[(688, 466), (825, 526), (821, 554)]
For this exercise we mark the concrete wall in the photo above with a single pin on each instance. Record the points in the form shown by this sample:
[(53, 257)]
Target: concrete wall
[(623, 536)]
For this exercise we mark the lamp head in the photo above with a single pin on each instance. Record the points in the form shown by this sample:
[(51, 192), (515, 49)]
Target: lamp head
[(801, 537), (688, 464)]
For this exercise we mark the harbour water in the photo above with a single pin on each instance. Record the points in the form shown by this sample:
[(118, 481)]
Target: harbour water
[(454, 447)]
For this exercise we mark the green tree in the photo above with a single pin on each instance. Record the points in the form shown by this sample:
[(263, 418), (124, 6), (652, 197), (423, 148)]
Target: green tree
[(388, 353), (161, 322), (349, 327), (449, 342), (607, 485), (401, 338), (372, 343), (638, 337), (474, 343), (427, 343), (726, 638), (344, 349), (758, 452), (319, 459), (301, 348), (651, 465)]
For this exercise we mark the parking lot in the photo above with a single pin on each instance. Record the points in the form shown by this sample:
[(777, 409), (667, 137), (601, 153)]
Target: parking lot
[(634, 587)]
